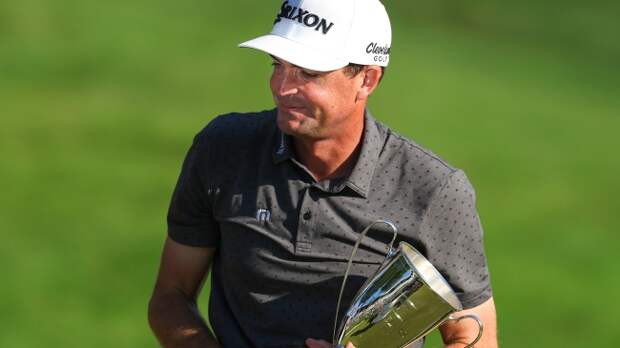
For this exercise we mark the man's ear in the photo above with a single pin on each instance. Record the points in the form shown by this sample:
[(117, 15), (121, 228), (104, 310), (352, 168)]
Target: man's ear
[(371, 76)]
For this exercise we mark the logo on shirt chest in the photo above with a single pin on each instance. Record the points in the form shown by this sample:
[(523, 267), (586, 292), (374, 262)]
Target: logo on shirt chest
[(263, 215)]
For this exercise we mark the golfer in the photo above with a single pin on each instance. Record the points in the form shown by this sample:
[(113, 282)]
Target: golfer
[(272, 202)]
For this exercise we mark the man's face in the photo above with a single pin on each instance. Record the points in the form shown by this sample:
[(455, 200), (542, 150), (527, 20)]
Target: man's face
[(311, 104)]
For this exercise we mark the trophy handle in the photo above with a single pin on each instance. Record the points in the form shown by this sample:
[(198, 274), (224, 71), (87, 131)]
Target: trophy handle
[(391, 251), (478, 321)]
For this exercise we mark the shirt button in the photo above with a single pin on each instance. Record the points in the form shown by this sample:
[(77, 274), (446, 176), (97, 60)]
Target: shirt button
[(307, 215)]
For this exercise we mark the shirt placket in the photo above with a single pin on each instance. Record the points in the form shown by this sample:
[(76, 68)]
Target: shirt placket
[(307, 217)]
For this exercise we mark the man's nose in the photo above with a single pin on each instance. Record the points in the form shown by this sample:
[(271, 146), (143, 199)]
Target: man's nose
[(287, 84)]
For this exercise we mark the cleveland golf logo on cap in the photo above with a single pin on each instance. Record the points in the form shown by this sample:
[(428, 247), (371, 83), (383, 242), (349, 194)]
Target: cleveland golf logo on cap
[(381, 52), (304, 17)]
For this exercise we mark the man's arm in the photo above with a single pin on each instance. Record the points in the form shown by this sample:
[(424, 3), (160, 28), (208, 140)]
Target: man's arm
[(457, 334), (173, 313)]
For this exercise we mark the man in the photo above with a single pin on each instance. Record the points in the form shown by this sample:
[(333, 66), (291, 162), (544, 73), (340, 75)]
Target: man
[(272, 202)]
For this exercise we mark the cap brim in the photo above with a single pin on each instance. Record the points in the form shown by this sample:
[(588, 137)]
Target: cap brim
[(295, 53)]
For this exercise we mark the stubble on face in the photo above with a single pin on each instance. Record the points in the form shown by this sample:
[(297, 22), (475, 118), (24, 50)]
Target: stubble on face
[(297, 118)]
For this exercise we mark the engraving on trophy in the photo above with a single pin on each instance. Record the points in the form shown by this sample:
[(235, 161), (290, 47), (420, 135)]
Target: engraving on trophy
[(411, 304)]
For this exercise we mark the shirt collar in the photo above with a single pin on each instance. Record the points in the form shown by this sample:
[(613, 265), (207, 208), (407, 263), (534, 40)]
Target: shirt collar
[(361, 176), (283, 147)]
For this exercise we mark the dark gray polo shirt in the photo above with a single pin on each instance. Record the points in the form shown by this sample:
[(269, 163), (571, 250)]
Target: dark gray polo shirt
[(283, 239)]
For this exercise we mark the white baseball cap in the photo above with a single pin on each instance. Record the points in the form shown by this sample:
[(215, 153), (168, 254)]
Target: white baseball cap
[(325, 35)]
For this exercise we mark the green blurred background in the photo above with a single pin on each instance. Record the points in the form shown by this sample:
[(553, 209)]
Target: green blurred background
[(99, 101)]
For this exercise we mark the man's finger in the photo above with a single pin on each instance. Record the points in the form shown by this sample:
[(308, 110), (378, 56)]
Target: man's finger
[(312, 343)]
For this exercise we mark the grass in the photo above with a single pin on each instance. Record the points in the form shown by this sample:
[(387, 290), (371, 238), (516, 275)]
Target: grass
[(100, 100)]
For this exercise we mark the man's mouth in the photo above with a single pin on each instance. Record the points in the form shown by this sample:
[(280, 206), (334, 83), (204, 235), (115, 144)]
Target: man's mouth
[(291, 107)]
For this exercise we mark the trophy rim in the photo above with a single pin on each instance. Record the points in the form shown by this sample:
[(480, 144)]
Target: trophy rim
[(430, 275)]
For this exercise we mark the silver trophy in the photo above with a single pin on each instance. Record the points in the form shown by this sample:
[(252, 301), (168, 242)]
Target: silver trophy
[(402, 302)]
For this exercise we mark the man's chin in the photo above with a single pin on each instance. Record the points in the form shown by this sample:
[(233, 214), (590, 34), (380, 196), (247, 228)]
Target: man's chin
[(296, 124), (289, 127)]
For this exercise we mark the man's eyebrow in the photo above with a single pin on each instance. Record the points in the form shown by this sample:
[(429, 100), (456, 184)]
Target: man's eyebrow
[(298, 67)]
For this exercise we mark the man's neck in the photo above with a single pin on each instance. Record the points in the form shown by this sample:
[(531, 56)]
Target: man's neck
[(331, 157)]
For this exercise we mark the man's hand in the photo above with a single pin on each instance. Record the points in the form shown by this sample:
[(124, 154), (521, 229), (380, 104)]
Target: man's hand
[(457, 334), (313, 343)]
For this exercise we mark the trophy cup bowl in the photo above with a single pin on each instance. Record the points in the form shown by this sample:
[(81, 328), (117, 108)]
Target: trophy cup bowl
[(402, 302)]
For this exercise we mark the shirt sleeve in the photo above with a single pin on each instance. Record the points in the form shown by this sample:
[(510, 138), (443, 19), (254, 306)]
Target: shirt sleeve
[(190, 217), (455, 240)]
